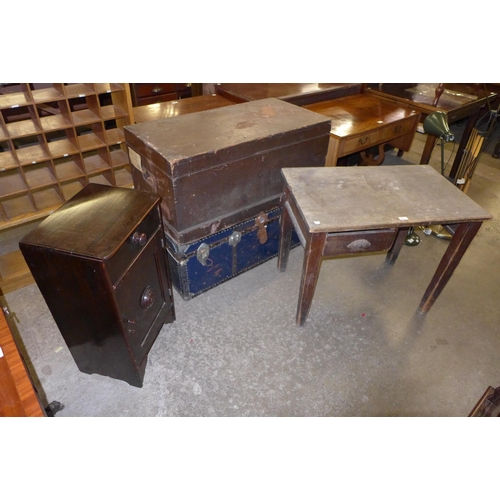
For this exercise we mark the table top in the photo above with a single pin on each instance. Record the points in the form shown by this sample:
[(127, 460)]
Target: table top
[(169, 109), (95, 222), (285, 91), (422, 95), (333, 199), (360, 113)]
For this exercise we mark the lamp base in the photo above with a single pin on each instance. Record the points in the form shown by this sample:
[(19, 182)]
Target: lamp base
[(437, 231), (412, 239)]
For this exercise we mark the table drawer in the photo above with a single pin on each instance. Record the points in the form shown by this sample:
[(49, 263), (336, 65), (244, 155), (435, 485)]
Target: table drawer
[(350, 242), (360, 142), (396, 130)]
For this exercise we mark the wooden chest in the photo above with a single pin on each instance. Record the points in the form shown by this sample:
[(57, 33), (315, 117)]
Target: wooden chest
[(99, 262), (219, 167)]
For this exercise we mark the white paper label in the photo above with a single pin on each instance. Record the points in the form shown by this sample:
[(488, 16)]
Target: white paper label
[(135, 159), (1, 353)]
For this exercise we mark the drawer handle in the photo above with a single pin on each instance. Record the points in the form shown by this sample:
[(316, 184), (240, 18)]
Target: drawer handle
[(359, 245), (147, 298), (363, 140), (398, 129), (156, 90), (139, 238)]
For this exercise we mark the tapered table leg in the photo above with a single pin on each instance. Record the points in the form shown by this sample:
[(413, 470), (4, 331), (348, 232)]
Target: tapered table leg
[(313, 254), (393, 253), (458, 245), (285, 238), (430, 142)]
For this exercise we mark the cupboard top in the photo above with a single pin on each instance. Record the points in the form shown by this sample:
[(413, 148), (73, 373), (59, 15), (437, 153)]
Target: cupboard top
[(95, 222)]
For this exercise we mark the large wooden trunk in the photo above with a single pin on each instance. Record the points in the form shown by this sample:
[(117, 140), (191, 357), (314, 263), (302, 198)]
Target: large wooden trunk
[(216, 168)]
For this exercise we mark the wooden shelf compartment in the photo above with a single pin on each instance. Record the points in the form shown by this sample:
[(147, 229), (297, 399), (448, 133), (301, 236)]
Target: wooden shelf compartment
[(62, 143), (114, 136), (4, 136), (30, 150), (12, 183), (112, 112), (15, 100), (48, 199), (118, 155), (18, 207), (123, 178), (96, 161), (108, 88), (90, 137), (101, 179), (39, 175), (54, 122), (54, 116), (69, 189), (7, 159), (46, 92), (68, 168), (85, 111), (17, 128), (73, 90)]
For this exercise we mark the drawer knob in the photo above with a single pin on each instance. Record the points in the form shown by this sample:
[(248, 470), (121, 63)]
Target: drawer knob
[(157, 90), (139, 238), (147, 298)]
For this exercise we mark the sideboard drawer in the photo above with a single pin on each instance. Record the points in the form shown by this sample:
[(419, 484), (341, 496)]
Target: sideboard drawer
[(154, 89), (151, 93)]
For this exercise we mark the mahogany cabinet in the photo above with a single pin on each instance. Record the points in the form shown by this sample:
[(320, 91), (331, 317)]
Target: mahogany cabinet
[(100, 264)]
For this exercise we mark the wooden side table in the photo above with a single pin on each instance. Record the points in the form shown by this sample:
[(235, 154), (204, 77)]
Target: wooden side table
[(344, 211), (361, 121)]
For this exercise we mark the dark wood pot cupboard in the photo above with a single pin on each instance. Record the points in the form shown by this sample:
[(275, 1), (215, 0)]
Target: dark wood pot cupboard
[(100, 264)]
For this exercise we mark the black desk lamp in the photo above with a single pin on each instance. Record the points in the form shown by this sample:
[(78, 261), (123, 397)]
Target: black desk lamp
[(435, 124)]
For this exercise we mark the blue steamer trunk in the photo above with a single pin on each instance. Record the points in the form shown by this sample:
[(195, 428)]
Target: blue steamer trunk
[(210, 261)]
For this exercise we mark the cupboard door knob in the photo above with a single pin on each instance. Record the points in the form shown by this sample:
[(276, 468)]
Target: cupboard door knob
[(147, 298), (139, 238)]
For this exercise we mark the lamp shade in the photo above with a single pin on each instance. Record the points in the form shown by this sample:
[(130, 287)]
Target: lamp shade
[(437, 124)]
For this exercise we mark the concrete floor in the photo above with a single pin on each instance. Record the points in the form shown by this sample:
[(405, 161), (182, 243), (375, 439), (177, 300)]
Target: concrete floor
[(236, 351)]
